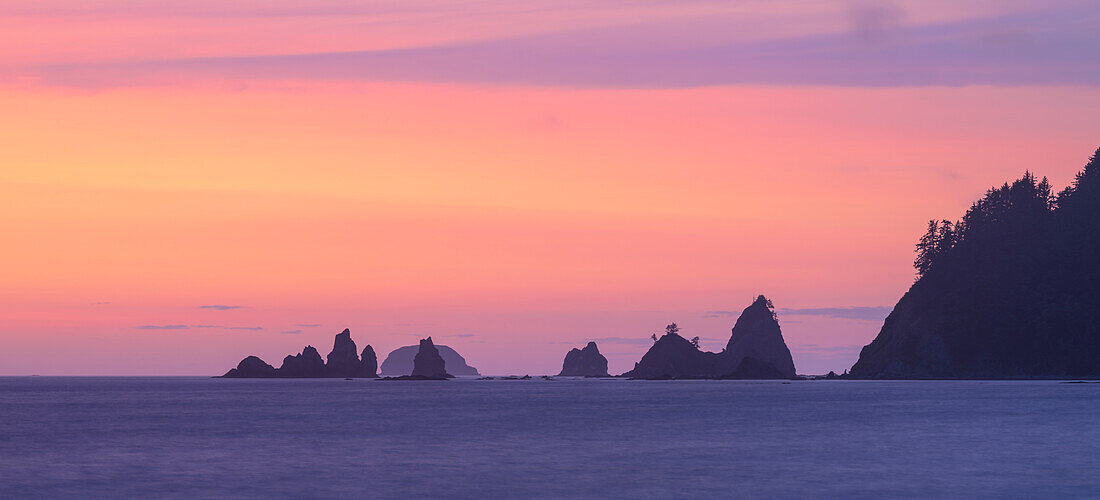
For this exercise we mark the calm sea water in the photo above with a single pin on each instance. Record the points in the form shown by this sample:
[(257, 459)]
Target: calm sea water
[(201, 437)]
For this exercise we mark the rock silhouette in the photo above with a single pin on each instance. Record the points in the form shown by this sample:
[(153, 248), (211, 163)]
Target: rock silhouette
[(1012, 290), (673, 356), (757, 335), (308, 364), (368, 364), (755, 369), (342, 362), (428, 363), (400, 361), (251, 367), (587, 362), (755, 350)]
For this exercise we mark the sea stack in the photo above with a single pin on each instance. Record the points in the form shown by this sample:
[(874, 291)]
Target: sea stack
[(342, 363), (368, 365), (587, 362), (754, 369), (757, 335), (251, 367), (308, 364), (673, 356), (428, 363), (756, 350), (399, 362)]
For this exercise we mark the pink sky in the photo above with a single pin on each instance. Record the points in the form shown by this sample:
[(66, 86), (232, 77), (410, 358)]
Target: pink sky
[(513, 181)]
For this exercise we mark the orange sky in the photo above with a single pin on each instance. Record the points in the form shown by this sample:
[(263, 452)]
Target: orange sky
[(510, 220)]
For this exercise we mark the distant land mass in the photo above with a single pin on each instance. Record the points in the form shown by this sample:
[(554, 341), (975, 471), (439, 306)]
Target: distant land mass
[(756, 350), (1011, 290), (400, 361)]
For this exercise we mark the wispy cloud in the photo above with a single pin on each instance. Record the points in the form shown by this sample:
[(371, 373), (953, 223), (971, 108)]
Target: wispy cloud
[(621, 340), (188, 327), (291, 331), (608, 340), (632, 340), (101, 303), (861, 313), (308, 325), (1056, 46), (219, 307), (877, 22)]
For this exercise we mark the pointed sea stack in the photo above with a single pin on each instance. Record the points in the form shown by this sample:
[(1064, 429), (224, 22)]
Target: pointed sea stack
[(400, 361), (308, 364), (755, 369), (756, 350), (343, 360), (251, 367), (428, 363), (587, 362), (757, 335), (368, 365)]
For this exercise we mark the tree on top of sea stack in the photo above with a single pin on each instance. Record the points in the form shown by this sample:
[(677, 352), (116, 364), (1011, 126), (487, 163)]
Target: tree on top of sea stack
[(755, 350), (757, 335)]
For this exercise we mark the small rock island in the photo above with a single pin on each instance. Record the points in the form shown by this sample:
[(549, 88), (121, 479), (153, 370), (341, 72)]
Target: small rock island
[(756, 350), (343, 362), (587, 362), (400, 362), (427, 364)]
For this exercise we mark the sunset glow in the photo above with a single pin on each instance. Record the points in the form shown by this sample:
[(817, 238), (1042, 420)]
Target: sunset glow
[(188, 183)]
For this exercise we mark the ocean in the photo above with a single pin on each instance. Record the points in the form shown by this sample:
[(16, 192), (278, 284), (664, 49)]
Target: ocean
[(170, 437)]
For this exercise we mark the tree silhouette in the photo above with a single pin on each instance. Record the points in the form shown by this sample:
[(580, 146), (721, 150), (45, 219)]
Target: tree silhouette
[(1013, 287), (695, 341), (672, 329)]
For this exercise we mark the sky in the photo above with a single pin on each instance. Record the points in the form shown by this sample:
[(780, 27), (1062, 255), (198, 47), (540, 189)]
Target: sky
[(184, 183)]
